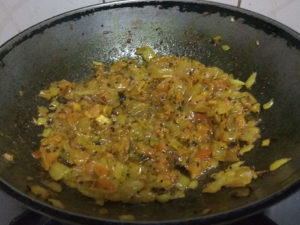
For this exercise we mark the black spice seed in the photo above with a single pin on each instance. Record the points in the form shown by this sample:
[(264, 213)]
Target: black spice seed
[(97, 143), (62, 100), (50, 121), (122, 97)]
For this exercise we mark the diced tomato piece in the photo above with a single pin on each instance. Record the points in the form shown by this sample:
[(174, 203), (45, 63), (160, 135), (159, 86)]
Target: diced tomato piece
[(203, 153), (36, 154)]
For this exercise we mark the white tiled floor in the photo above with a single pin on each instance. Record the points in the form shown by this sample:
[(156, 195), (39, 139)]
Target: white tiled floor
[(17, 15), (285, 11)]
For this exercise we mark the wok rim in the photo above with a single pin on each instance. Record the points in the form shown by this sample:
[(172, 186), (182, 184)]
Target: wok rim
[(68, 216), (226, 216)]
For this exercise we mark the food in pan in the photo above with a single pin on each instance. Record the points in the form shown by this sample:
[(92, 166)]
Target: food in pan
[(146, 130)]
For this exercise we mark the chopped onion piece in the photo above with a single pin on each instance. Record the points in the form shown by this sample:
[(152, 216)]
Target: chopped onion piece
[(251, 80), (278, 163), (56, 203), (265, 142), (237, 82), (41, 121), (9, 157), (216, 39), (146, 52), (39, 191), (103, 120), (53, 186), (225, 47), (269, 104), (128, 217), (193, 184), (245, 149), (97, 63), (206, 211), (240, 192), (58, 171), (234, 176)]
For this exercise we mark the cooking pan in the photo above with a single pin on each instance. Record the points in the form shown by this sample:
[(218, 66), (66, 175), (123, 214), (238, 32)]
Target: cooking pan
[(63, 47)]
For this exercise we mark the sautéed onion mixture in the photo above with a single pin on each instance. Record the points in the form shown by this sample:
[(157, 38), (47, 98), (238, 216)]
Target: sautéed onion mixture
[(144, 131)]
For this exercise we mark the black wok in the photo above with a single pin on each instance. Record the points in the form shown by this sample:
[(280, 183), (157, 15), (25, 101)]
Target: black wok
[(64, 47)]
